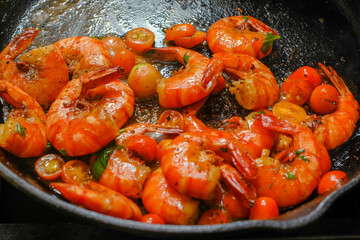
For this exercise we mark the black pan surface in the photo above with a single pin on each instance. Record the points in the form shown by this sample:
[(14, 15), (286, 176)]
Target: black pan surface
[(311, 32)]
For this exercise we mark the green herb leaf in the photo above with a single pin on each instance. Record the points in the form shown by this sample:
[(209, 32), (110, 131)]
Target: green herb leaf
[(198, 167), (246, 18), (122, 131), (100, 163), (257, 113), (302, 157), (48, 146), (271, 185), (186, 58), (268, 42), (290, 176), (299, 151), (63, 153), (224, 149), (20, 129)]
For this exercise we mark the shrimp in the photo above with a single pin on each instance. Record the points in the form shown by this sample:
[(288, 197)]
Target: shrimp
[(89, 112), (290, 182), (241, 34), (125, 172), (254, 86), (84, 54), (160, 198), (98, 198), (336, 128), (41, 73), (23, 134), (189, 84), (190, 162)]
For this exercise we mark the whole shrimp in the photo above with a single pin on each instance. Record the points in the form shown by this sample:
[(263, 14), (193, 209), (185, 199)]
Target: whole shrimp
[(23, 134), (89, 112), (254, 85), (336, 128), (41, 72), (84, 54), (126, 172), (189, 84), (100, 199), (241, 34), (160, 198), (290, 182)]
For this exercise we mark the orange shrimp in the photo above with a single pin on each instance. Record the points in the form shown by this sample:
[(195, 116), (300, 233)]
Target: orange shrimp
[(84, 54), (98, 198), (125, 172), (41, 73), (254, 85), (89, 112), (241, 34), (290, 182), (336, 128), (23, 134), (160, 198), (189, 84), (190, 162)]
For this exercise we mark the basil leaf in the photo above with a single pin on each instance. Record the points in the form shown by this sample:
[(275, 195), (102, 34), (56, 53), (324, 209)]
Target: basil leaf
[(63, 153), (186, 58), (268, 42), (246, 18), (20, 129), (290, 176), (100, 163)]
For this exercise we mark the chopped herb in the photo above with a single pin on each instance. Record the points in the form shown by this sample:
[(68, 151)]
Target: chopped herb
[(271, 185), (20, 129), (48, 146), (198, 167), (224, 149), (290, 176), (122, 131), (257, 113), (63, 152), (299, 154), (302, 157), (100, 163), (119, 146), (98, 38), (186, 58), (268, 42), (246, 18)]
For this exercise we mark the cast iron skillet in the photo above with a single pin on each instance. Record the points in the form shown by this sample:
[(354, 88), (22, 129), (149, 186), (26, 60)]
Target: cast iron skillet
[(311, 32)]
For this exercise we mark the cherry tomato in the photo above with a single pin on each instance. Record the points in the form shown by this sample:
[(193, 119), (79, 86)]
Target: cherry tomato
[(75, 172), (49, 167), (152, 219), (143, 146), (113, 45), (213, 216), (325, 159), (289, 111), (140, 40), (142, 80), (331, 181), (324, 99), (125, 59), (162, 146), (191, 41), (171, 118), (179, 31), (264, 208), (296, 91), (307, 74)]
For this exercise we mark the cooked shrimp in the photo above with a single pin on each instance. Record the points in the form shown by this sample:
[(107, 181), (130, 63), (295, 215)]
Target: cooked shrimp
[(126, 172), (190, 162), (336, 128), (160, 198), (84, 54), (241, 34), (41, 73), (254, 86), (189, 84), (100, 199), (290, 182), (23, 134), (89, 112)]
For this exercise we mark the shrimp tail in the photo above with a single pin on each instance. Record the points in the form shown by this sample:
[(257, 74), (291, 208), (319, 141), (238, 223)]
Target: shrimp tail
[(212, 73), (335, 79), (20, 43), (243, 162), (273, 123)]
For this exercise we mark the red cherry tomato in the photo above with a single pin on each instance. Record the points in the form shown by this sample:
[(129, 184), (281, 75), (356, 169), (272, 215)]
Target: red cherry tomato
[(171, 118), (264, 208), (191, 41), (152, 219), (213, 216), (76, 172), (140, 40), (125, 59), (308, 74), (113, 44), (49, 167), (331, 181), (324, 99), (142, 80), (144, 147), (179, 31)]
